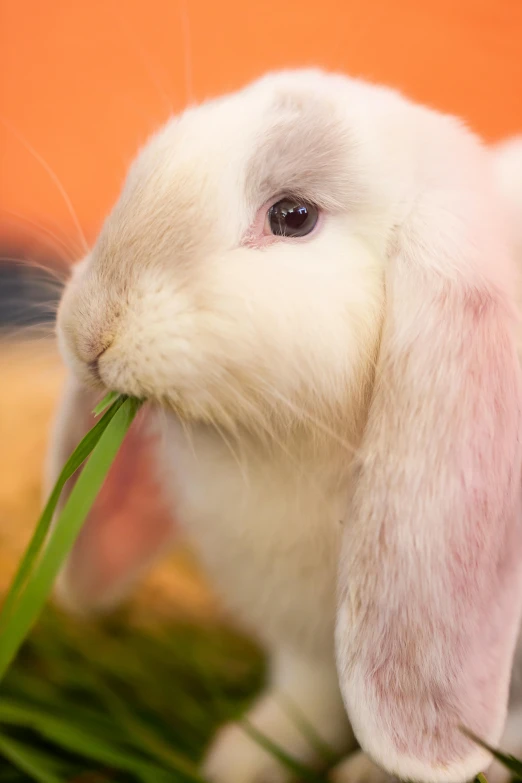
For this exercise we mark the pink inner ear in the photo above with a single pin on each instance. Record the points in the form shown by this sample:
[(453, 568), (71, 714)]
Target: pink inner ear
[(127, 528)]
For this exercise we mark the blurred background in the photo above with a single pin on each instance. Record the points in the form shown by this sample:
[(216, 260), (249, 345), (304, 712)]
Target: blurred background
[(82, 85)]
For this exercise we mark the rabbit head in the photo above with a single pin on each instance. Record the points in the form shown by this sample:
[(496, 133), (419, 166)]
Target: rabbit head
[(188, 297), (315, 248)]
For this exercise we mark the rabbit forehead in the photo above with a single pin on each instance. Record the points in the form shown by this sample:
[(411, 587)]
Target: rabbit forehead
[(304, 147), (196, 184)]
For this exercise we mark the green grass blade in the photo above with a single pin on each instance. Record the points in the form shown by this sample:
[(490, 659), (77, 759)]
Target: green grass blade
[(73, 738), (32, 599), (143, 736), (34, 548), (27, 760), (18, 713), (106, 402), (14, 712), (307, 729), (508, 761), (300, 770)]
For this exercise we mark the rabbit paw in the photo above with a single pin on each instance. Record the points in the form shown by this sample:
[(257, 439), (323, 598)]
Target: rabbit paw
[(236, 758), (300, 688), (359, 768)]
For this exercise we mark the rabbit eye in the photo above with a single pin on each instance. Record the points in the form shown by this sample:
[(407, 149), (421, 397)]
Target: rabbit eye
[(292, 218)]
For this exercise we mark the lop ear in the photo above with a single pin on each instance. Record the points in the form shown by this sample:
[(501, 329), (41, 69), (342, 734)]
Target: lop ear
[(128, 527), (430, 588)]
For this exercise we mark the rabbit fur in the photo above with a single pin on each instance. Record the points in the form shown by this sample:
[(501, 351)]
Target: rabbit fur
[(337, 417)]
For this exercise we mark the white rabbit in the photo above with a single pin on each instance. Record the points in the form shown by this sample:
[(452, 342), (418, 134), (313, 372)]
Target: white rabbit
[(313, 282)]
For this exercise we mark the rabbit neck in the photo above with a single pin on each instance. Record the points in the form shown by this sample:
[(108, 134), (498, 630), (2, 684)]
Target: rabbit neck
[(266, 523)]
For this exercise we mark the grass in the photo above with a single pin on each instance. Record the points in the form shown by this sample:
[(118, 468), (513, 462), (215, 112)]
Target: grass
[(48, 547), (111, 701), (127, 703)]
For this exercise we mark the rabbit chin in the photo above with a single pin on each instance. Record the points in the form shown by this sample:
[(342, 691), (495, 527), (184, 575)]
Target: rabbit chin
[(199, 404), (277, 417)]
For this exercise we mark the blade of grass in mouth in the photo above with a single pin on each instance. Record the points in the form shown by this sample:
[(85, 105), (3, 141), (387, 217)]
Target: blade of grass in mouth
[(106, 402), (46, 553), (37, 541)]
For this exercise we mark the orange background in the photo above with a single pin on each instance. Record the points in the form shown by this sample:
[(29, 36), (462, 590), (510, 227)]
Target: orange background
[(84, 81)]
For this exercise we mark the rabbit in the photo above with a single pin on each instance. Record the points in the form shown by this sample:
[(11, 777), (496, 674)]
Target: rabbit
[(312, 281)]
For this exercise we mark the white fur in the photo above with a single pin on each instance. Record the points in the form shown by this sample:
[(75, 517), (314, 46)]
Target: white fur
[(507, 162), (262, 358)]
